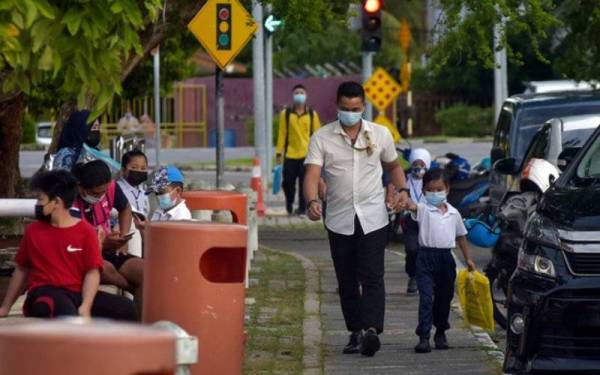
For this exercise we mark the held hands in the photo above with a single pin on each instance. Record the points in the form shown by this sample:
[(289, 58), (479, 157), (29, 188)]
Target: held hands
[(396, 201), (314, 210)]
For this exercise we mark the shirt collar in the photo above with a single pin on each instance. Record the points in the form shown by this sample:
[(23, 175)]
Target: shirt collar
[(366, 127), (173, 212), (451, 209)]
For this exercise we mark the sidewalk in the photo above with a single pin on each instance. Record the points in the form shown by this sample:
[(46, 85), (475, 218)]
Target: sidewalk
[(467, 355)]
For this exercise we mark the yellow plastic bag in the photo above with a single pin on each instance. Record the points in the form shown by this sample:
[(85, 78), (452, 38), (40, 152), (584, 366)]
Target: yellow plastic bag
[(476, 299)]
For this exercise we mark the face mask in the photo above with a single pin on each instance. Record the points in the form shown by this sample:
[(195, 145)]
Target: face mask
[(90, 199), (136, 177), (419, 172), (93, 138), (435, 198), (349, 118), (40, 215), (299, 98), (165, 201)]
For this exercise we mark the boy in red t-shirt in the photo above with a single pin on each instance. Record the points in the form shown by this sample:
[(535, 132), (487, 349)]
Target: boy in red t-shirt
[(59, 260)]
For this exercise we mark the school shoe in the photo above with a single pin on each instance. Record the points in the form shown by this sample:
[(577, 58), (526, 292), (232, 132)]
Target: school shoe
[(412, 289), (423, 346), (353, 346), (440, 340), (370, 343)]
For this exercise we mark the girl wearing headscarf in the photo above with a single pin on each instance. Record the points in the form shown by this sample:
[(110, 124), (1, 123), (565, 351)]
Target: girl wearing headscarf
[(420, 161)]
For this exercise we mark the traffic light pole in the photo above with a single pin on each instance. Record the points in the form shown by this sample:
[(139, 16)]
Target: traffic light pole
[(258, 64), (220, 116), (367, 71), (269, 97), (156, 67)]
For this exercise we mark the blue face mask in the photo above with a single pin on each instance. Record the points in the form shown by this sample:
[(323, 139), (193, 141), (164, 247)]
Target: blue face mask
[(418, 172), (349, 118), (165, 201), (435, 198), (299, 98)]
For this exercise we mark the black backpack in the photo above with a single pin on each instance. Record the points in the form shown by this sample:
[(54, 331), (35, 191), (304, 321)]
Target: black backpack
[(288, 111)]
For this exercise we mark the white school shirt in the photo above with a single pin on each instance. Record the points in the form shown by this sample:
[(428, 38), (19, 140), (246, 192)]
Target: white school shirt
[(179, 212), (415, 185), (136, 196), (436, 229), (353, 178)]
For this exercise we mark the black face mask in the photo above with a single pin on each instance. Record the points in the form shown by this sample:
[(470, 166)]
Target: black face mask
[(136, 177), (40, 215), (93, 138)]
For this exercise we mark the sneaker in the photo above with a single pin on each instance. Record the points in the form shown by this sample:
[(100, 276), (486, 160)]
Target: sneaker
[(423, 346), (440, 340), (412, 289), (300, 212), (353, 346), (370, 343)]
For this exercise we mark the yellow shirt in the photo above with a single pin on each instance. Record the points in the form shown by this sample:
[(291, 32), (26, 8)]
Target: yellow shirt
[(299, 134)]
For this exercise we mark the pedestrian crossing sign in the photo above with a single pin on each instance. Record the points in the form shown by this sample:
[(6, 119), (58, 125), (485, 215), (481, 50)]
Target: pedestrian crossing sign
[(381, 89)]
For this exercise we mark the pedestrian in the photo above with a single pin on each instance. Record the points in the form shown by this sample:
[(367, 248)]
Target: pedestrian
[(134, 174), (76, 131), (59, 260), (420, 161), (168, 186), (352, 154), (440, 229), (98, 195), (128, 124), (296, 125)]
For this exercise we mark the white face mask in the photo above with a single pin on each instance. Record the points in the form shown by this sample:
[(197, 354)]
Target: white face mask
[(91, 199)]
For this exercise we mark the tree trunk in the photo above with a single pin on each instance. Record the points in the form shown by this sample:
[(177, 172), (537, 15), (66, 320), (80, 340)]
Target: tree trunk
[(11, 119)]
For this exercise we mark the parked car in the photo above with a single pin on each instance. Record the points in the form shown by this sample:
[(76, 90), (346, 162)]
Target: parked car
[(539, 87), (520, 119), (43, 133), (554, 294)]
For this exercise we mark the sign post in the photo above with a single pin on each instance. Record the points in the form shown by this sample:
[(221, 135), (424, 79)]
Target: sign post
[(223, 27)]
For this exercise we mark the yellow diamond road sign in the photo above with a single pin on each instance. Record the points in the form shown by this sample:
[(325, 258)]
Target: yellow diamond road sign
[(223, 27), (381, 89)]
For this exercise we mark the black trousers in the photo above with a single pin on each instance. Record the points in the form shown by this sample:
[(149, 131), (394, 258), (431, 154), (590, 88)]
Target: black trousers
[(359, 267), (436, 274), (411, 247), (50, 302), (293, 173)]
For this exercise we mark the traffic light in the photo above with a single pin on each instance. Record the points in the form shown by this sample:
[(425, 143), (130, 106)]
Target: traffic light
[(371, 25), (223, 27)]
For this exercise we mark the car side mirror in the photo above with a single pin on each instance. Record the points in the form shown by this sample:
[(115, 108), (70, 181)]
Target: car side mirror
[(506, 166), (497, 154), (566, 157)]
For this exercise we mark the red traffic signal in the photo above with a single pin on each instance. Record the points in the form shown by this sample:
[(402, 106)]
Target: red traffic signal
[(372, 6)]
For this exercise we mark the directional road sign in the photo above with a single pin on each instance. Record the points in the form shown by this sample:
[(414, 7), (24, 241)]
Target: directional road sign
[(381, 89), (223, 27), (272, 23)]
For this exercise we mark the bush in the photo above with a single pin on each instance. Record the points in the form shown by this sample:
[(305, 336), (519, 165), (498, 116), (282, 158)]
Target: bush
[(466, 121), (29, 129)]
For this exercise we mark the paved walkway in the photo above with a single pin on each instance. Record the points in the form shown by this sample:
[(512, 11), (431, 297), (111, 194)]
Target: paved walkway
[(397, 355)]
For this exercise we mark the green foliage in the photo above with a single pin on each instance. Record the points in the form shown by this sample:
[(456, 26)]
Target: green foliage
[(76, 48), (29, 129), (465, 121)]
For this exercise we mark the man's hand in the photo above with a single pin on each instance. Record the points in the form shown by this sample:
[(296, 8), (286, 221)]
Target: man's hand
[(279, 159), (4, 311), (314, 210), (471, 266), (391, 198), (322, 189), (403, 202), (84, 310)]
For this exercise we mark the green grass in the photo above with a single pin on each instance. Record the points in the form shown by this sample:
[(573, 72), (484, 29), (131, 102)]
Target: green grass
[(275, 342)]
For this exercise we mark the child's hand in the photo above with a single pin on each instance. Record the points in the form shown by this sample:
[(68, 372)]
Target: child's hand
[(471, 266), (140, 223)]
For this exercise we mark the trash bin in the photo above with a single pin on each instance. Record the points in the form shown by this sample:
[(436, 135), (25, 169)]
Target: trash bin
[(219, 200), (194, 276), (76, 346)]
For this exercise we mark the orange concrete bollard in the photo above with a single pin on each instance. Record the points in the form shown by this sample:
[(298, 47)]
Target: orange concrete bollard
[(219, 200), (256, 185), (69, 346), (194, 276)]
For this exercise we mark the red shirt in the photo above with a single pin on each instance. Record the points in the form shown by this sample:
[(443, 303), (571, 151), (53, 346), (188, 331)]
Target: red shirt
[(59, 257)]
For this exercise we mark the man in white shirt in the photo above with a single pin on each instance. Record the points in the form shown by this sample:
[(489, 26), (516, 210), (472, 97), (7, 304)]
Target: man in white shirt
[(351, 152)]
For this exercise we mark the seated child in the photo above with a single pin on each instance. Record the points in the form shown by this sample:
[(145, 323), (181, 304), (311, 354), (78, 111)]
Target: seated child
[(59, 259)]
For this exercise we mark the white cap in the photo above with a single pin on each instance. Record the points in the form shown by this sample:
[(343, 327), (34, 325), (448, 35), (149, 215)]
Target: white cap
[(420, 154)]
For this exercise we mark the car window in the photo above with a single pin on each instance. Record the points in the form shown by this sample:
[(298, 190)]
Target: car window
[(576, 138), (539, 145), (530, 120), (501, 137)]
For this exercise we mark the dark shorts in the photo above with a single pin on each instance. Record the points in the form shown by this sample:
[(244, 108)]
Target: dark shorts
[(115, 259)]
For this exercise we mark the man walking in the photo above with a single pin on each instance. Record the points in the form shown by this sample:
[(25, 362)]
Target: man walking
[(296, 126), (351, 153)]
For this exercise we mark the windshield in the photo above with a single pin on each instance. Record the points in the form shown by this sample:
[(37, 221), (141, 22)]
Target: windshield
[(531, 120), (589, 167), (576, 138)]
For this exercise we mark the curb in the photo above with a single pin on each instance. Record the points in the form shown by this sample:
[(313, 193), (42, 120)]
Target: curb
[(312, 328)]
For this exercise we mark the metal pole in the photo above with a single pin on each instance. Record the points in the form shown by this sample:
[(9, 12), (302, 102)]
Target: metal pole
[(258, 63), (269, 98), (157, 103), (367, 71), (500, 74), (220, 116)]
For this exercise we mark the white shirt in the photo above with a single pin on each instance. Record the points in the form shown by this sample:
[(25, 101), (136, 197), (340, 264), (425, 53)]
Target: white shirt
[(136, 196), (179, 212), (436, 229), (353, 177), (415, 185)]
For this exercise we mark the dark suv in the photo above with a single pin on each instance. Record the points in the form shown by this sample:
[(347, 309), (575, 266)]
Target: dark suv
[(554, 295), (520, 119)]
